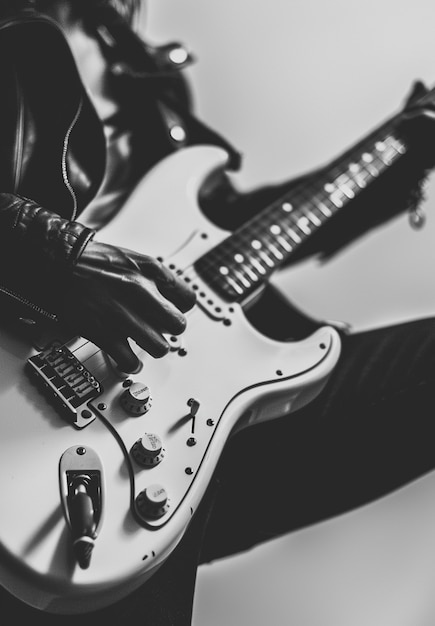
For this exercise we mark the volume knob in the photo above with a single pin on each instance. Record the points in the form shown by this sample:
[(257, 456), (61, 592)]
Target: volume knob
[(152, 502), (148, 451), (136, 399)]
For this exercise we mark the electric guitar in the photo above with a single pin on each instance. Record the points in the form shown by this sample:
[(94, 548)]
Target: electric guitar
[(103, 471)]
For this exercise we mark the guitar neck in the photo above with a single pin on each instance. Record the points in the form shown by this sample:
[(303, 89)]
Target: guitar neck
[(243, 261)]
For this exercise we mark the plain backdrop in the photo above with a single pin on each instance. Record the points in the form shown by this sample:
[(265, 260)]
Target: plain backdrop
[(292, 83)]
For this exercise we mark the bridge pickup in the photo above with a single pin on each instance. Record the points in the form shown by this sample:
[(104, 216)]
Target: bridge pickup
[(66, 379)]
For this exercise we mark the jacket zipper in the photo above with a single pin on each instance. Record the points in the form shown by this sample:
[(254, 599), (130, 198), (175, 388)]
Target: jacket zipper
[(17, 173), (29, 304), (20, 134), (64, 163)]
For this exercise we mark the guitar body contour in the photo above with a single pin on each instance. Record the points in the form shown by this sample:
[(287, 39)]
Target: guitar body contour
[(220, 375)]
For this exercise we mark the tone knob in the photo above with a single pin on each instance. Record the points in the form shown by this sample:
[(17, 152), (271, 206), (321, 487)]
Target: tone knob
[(152, 502), (136, 399), (148, 451)]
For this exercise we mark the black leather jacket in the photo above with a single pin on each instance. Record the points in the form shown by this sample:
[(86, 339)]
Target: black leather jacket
[(52, 153), (52, 148)]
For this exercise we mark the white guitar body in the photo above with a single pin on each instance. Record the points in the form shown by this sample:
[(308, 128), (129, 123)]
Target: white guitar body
[(236, 376)]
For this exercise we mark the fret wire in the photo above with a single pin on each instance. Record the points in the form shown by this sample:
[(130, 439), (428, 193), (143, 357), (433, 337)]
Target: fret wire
[(286, 223), (371, 171), (267, 240), (260, 268), (246, 266), (286, 227), (315, 219), (266, 258), (242, 278), (263, 260), (362, 177), (243, 242), (325, 206), (312, 207), (381, 165), (278, 255), (284, 243), (227, 259), (235, 286), (347, 185), (218, 278), (367, 146), (267, 237), (253, 276)]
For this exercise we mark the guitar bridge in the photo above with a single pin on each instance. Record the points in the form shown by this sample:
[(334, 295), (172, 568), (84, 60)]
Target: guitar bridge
[(67, 380)]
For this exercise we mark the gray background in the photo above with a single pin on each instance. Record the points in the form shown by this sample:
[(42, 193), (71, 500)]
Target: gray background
[(292, 84)]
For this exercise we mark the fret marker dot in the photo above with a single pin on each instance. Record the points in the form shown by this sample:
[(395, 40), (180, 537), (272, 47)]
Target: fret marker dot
[(275, 229), (238, 258), (329, 187), (287, 207), (367, 157), (256, 244), (224, 270), (380, 146), (354, 168), (304, 224)]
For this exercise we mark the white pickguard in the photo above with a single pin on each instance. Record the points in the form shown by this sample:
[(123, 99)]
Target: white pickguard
[(237, 375)]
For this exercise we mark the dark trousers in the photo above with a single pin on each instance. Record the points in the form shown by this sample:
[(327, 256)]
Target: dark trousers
[(370, 431)]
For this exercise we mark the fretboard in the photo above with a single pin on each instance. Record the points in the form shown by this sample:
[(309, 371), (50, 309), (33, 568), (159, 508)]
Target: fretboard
[(243, 261)]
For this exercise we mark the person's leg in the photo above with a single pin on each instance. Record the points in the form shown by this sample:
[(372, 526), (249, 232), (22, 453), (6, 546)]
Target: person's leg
[(369, 432)]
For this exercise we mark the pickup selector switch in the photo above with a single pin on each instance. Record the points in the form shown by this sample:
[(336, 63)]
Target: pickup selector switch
[(136, 399), (152, 502), (148, 450)]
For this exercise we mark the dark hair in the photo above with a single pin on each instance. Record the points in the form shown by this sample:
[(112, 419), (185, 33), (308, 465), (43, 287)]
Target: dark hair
[(128, 9)]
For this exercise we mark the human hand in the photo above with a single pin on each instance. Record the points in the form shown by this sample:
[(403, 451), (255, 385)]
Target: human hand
[(115, 293), (418, 121)]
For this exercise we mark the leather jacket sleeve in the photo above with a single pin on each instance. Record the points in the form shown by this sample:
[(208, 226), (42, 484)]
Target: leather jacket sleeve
[(38, 250), (35, 231)]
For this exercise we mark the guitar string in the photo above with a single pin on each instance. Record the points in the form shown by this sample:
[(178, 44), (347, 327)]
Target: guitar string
[(230, 246), (260, 228), (224, 252)]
